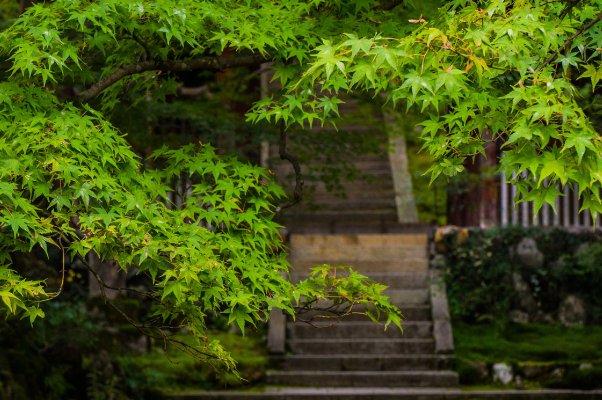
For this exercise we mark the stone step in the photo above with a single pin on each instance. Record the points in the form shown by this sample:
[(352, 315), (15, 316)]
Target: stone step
[(376, 172), (329, 208), (381, 266), (379, 189), (352, 215), (346, 206), (410, 312), (305, 224), (352, 194), (361, 346), (364, 378), (311, 393), (353, 203), (358, 252), (362, 126), (363, 362), (359, 330), (396, 297), (364, 240), (408, 296), (367, 166), (392, 280)]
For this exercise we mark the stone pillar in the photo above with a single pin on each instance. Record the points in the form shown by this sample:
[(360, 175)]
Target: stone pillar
[(402, 181), (264, 152), (442, 329), (277, 330)]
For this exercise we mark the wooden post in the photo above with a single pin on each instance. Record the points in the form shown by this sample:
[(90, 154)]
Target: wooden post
[(514, 205), (575, 204), (566, 218), (504, 198), (525, 208), (556, 215), (587, 218), (545, 210)]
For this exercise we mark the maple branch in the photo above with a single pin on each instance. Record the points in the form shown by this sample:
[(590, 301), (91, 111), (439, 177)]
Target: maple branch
[(180, 345), (568, 8), (143, 44), (568, 42), (389, 5), (216, 63), (284, 155)]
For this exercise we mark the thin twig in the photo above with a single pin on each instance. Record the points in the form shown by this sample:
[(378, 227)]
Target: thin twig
[(144, 46), (568, 42), (182, 346), (104, 285), (567, 9), (309, 322)]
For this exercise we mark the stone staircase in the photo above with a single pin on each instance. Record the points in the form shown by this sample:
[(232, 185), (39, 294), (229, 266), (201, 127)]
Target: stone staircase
[(356, 352), (372, 205), (357, 359), (369, 207)]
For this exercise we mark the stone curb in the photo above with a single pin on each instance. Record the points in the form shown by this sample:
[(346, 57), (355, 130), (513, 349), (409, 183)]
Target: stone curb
[(392, 394), (442, 329)]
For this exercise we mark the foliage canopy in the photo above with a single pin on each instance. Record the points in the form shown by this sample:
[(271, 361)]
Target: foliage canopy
[(69, 179)]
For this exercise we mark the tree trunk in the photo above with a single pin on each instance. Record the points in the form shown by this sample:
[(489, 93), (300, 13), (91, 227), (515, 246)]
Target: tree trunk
[(25, 4), (473, 197)]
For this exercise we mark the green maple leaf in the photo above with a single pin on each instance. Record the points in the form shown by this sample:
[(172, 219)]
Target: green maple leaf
[(85, 192), (580, 143), (240, 316), (552, 165), (591, 201), (17, 221), (417, 82), (544, 195), (177, 288)]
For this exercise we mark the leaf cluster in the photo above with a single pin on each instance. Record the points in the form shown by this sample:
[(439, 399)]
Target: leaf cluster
[(70, 180), (480, 68)]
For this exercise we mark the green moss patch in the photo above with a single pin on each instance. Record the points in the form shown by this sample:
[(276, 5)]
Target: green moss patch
[(527, 342), (179, 372)]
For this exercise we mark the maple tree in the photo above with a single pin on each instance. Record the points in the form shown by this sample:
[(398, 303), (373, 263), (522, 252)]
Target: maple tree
[(69, 178), (480, 69)]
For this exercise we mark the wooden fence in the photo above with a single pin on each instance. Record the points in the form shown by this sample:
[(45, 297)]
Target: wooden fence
[(567, 208)]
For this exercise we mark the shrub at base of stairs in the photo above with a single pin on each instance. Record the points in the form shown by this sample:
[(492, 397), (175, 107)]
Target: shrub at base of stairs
[(534, 274), (586, 379)]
